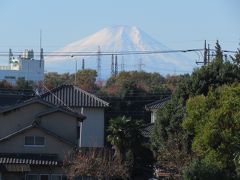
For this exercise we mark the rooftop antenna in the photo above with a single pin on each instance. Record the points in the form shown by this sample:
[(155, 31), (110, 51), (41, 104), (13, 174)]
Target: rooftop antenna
[(10, 55), (41, 49)]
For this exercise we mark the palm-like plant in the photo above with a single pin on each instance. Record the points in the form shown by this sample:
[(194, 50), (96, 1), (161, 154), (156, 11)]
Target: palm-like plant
[(124, 134)]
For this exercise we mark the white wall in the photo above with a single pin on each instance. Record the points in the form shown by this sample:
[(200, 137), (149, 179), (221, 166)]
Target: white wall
[(29, 69), (153, 115), (93, 127)]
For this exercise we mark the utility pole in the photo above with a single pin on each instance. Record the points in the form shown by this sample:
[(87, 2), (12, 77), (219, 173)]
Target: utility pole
[(208, 53), (205, 53), (116, 66)]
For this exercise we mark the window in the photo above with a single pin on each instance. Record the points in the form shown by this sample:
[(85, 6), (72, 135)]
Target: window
[(29, 140), (34, 141), (56, 177), (39, 140), (46, 177), (32, 177)]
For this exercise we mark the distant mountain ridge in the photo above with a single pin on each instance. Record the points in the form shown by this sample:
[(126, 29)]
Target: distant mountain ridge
[(124, 38)]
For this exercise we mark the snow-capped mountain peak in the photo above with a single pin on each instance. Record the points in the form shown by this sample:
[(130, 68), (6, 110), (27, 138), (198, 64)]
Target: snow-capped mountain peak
[(125, 38)]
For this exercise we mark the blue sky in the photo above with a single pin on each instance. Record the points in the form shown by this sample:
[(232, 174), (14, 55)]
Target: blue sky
[(179, 24)]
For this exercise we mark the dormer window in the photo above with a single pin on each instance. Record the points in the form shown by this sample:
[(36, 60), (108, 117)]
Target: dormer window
[(34, 141)]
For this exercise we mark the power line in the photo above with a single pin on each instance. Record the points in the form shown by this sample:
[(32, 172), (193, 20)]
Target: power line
[(110, 53)]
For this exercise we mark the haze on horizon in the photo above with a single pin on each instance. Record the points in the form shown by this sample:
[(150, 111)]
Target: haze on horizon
[(177, 24)]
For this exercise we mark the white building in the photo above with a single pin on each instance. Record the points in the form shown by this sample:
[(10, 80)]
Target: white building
[(24, 66)]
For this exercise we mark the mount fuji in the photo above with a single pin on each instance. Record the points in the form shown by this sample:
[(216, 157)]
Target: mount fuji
[(121, 39)]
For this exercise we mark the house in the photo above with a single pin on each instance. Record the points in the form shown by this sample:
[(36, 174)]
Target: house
[(35, 138), (153, 107), (92, 107), (9, 97)]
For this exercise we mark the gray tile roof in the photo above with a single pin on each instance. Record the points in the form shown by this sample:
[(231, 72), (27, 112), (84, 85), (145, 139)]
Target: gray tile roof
[(9, 97), (73, 96), (157, 104), (147, 130), (70, 112), (36, 125), (53, 108), (31, 159)]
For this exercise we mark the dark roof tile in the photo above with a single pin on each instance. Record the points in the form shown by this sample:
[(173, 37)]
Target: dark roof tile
[(31, 159), (157, 104), (73, 96)]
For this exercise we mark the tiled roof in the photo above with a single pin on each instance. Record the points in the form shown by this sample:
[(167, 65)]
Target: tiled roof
[(35, 125), (9, 97), (147, 130), (157, 104), (31, 159), (53, 108), (25, 103), (73, 96), (60, 109)]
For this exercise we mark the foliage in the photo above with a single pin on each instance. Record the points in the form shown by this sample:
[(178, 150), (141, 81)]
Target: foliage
[(54, 79), (172, 81), (129, 92), (169, 118), (21, 83), (96, 163), (5, 84), (200, 171), (124, 82), (236, 58), (86, 79), (124, 134), (126, 138), (214, 122)]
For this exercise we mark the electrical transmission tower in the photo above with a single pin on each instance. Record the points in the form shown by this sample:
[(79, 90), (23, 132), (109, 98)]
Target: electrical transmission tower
[(112, 66), (99, 63), (122, 64), (140, 65), (116, 66), (83, 64)]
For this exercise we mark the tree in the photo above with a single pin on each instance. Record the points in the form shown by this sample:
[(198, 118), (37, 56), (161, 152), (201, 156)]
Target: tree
[(124, 134), (95, 163), (5, 84), (54, 79), (86, 79), (214, 123), (169, 119), (236, 58), (129, 92), (21, 83)]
